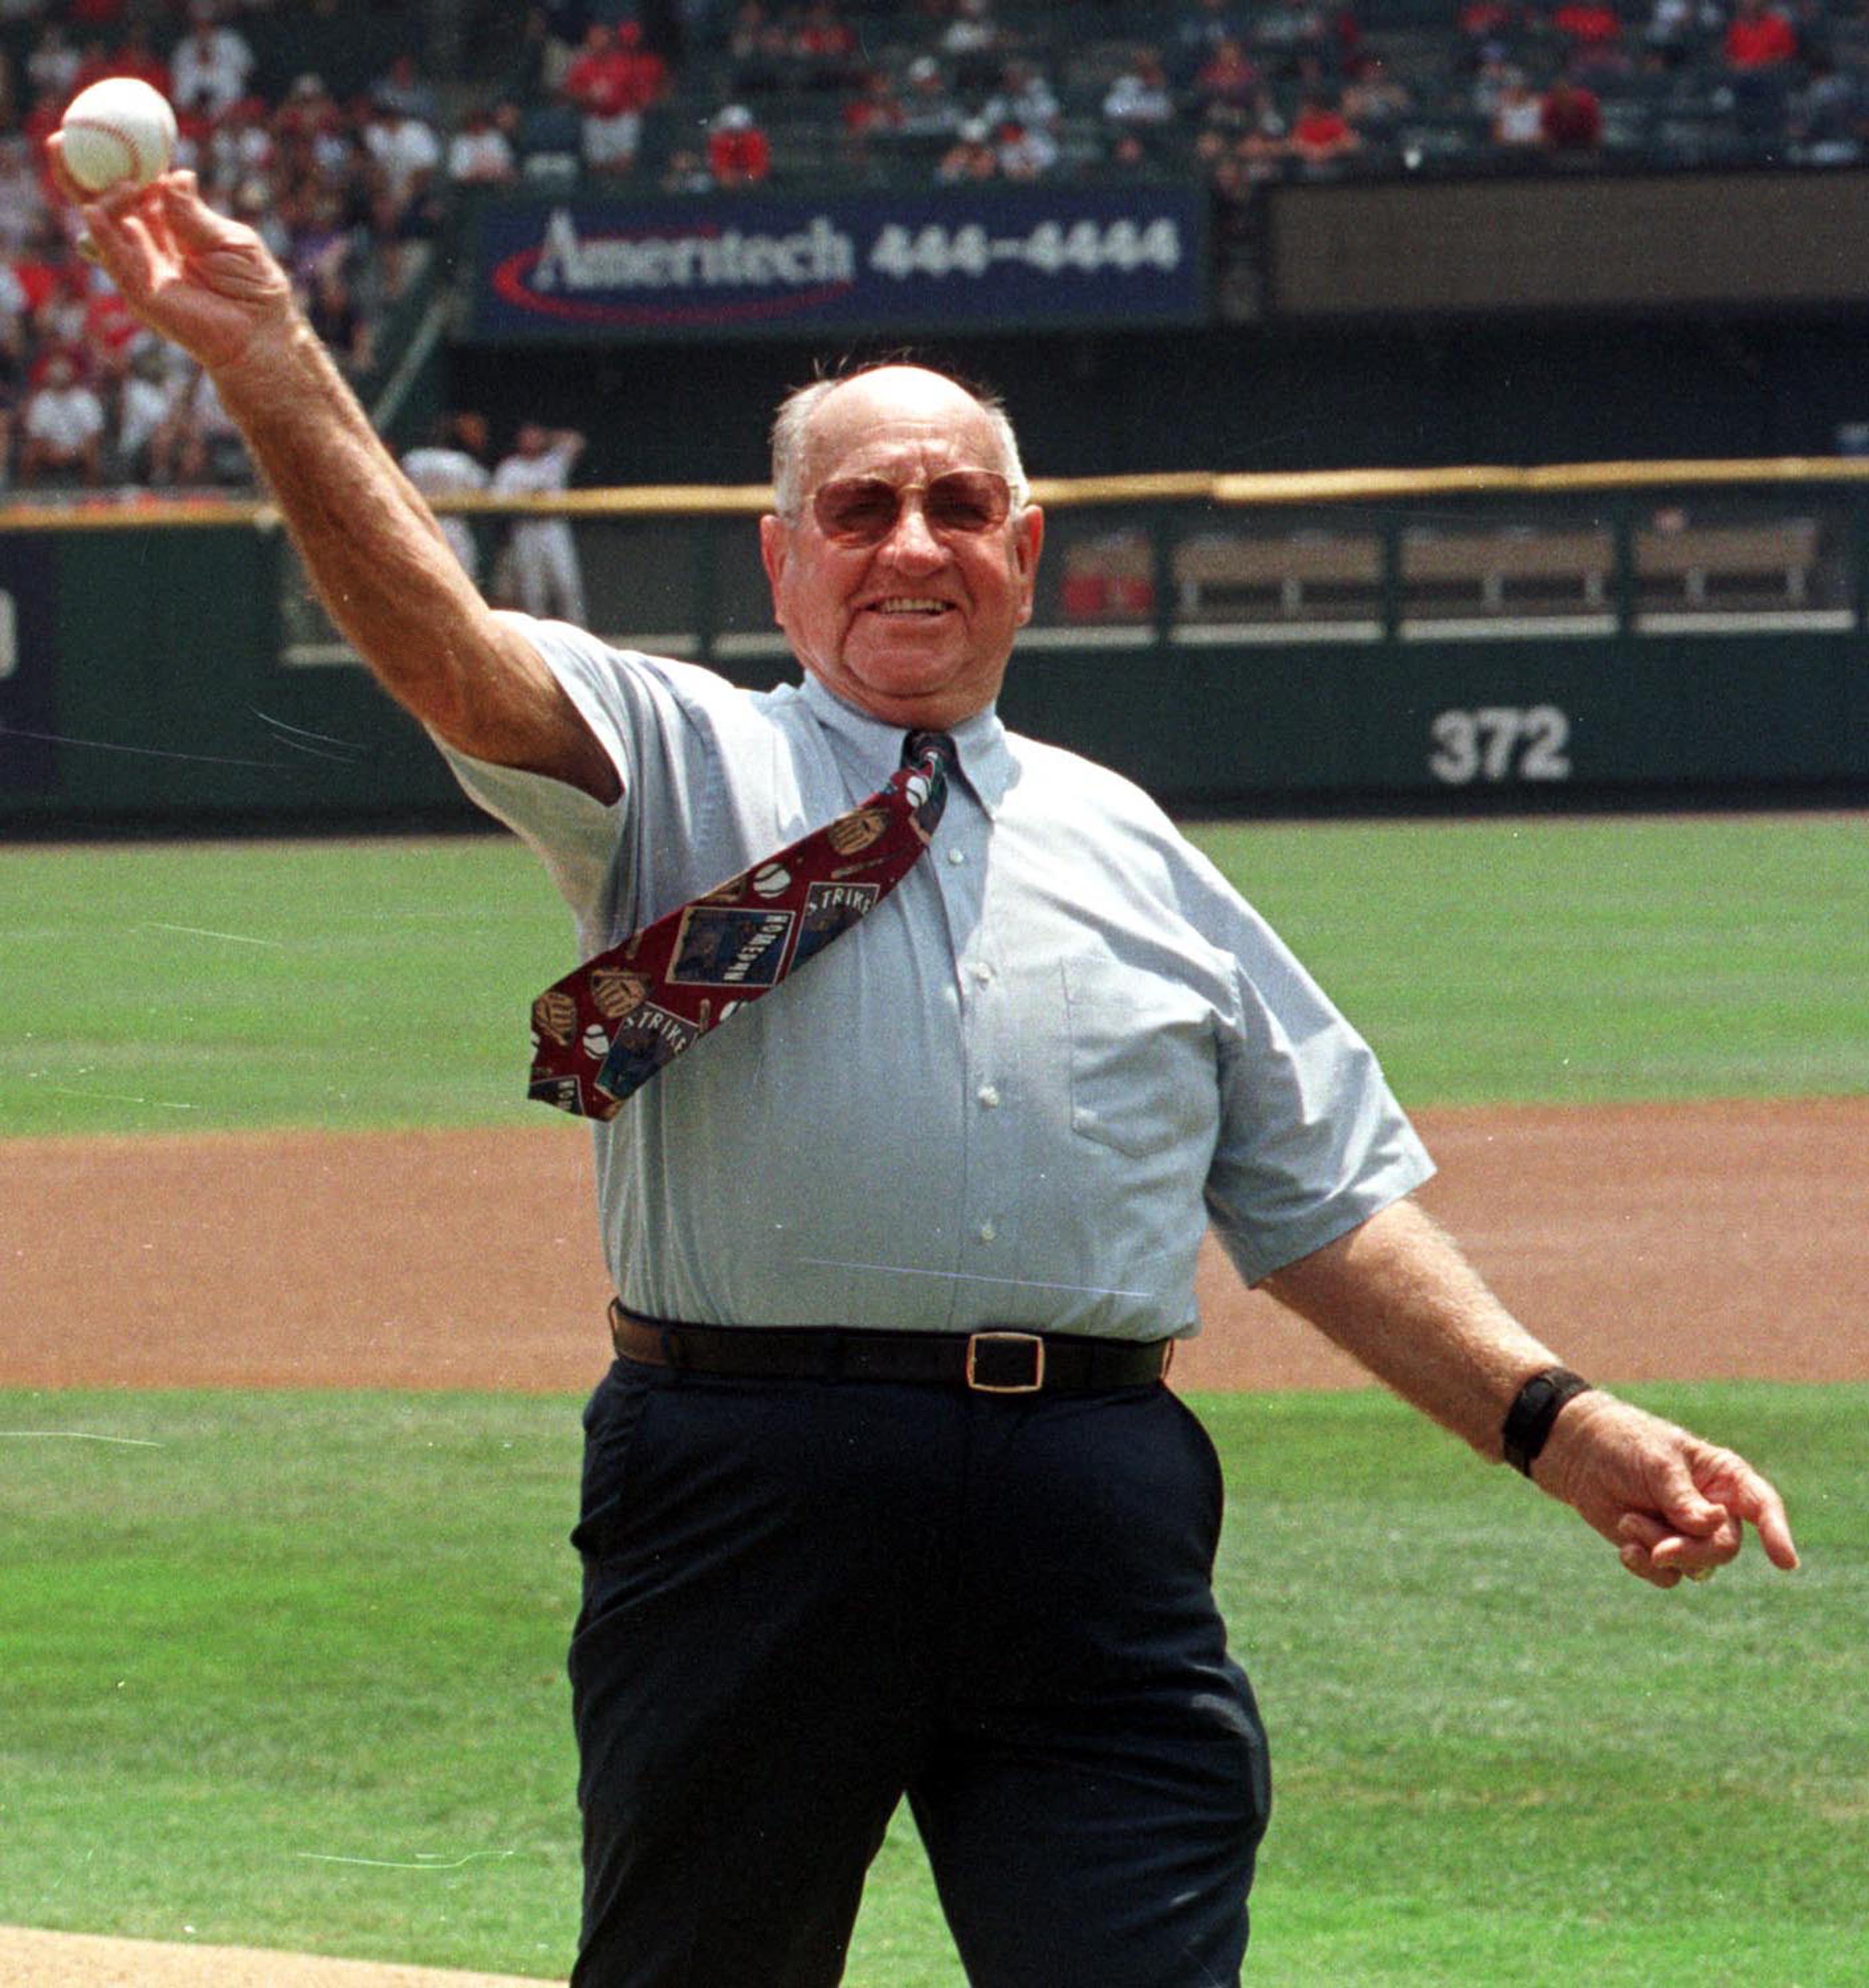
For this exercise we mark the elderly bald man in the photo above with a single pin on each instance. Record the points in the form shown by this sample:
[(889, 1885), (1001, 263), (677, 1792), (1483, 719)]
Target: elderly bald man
[(884, 1497)]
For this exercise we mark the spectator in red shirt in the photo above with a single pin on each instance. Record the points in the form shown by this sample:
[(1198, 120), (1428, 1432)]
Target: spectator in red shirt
[(613, 81), (1320, 133), (597, 80), (1592, 33), (739, 152), (1587, 23), (1571, 120), (1759, 46), (1758, 37)]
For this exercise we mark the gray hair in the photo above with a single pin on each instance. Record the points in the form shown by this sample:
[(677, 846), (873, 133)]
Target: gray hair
[(794, 419)]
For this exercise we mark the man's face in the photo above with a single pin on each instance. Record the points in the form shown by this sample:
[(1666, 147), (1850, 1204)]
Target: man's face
[(917, 628)]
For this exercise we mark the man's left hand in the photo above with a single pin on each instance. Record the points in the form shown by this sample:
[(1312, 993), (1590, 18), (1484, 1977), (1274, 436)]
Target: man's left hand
[(1674, 1506)]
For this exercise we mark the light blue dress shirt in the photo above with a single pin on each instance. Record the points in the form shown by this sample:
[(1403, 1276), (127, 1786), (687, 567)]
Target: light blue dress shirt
[(1014, 1096)]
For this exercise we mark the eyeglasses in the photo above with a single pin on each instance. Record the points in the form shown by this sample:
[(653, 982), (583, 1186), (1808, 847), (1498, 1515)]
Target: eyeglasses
[(862, 510)]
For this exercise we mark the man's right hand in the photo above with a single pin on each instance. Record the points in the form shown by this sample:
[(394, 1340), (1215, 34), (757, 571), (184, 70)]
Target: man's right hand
[(375, 554), (206, 282)]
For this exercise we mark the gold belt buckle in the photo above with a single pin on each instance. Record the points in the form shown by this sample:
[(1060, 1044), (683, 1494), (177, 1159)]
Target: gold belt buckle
[(976, 1340)]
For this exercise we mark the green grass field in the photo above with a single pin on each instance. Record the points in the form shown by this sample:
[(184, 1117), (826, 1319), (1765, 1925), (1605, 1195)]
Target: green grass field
[(166, 988), (286, 1670)]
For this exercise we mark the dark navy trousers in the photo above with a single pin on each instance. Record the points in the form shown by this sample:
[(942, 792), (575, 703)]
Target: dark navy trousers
[(804, 1600)]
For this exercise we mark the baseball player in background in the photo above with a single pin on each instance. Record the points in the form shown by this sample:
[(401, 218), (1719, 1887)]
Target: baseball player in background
[(452, 463), (540, 570)]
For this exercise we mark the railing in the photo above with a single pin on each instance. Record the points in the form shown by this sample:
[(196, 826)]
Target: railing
[(1651, 632), (1484, 554)]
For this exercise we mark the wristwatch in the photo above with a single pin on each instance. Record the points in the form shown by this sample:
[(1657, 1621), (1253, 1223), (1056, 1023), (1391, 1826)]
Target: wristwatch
[(1534, 1408)]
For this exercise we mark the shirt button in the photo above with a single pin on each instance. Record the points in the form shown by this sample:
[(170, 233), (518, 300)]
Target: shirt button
[(987, 1232), (957, 855), (982, 972), (988, 1094)]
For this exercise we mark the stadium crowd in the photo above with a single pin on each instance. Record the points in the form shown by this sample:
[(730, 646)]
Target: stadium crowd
[(351, 178), (345, 188)]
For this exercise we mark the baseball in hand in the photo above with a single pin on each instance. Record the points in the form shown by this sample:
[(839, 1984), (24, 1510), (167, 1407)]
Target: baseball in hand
[(118, 130)]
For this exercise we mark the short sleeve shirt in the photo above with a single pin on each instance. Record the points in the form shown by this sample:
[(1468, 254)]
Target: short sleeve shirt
[(1016, 1095)]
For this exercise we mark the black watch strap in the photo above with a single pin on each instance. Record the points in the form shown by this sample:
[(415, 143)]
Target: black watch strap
[(1534, 1408)]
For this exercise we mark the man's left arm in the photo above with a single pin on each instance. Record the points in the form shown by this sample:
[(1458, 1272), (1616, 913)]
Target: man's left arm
[(1399, 1297)]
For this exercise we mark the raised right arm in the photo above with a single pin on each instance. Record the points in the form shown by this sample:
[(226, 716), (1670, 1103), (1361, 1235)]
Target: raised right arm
[(368, 538)]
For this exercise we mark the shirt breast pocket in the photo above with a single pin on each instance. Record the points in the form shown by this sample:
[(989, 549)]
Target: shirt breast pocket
[(1143, 1058)]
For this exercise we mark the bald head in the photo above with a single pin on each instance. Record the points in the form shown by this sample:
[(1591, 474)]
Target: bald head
[(913, 622), (814, 422)]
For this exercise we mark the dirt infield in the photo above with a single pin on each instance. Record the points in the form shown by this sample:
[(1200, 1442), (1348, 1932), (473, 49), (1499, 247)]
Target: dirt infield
[(80, 1960), (1689, 1242), (1686, 1242)]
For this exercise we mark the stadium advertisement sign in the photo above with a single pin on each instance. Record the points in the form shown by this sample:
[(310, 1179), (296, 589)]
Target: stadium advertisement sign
[(1023, 258)]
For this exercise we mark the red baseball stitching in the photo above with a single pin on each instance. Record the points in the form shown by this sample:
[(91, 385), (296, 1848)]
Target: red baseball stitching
[(123, 138)]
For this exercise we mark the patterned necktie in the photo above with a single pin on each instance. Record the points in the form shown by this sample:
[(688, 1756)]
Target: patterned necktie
[(601, 1032)]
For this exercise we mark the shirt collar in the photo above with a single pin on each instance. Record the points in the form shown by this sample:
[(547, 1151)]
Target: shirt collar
[(986, 759)]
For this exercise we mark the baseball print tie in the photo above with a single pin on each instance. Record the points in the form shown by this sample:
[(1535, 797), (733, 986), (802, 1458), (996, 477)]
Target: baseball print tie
[(601, 1032)]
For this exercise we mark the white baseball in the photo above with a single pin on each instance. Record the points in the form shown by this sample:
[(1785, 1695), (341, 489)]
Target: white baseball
[(118, 129)]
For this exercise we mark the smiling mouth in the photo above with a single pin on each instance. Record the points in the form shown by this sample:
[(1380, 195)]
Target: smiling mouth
[(910, 603)]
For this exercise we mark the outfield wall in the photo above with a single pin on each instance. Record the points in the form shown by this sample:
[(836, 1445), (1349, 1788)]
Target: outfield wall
[(1457, 639)]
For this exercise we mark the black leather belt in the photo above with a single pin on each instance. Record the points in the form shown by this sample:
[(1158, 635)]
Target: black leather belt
[(991, 1362)]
